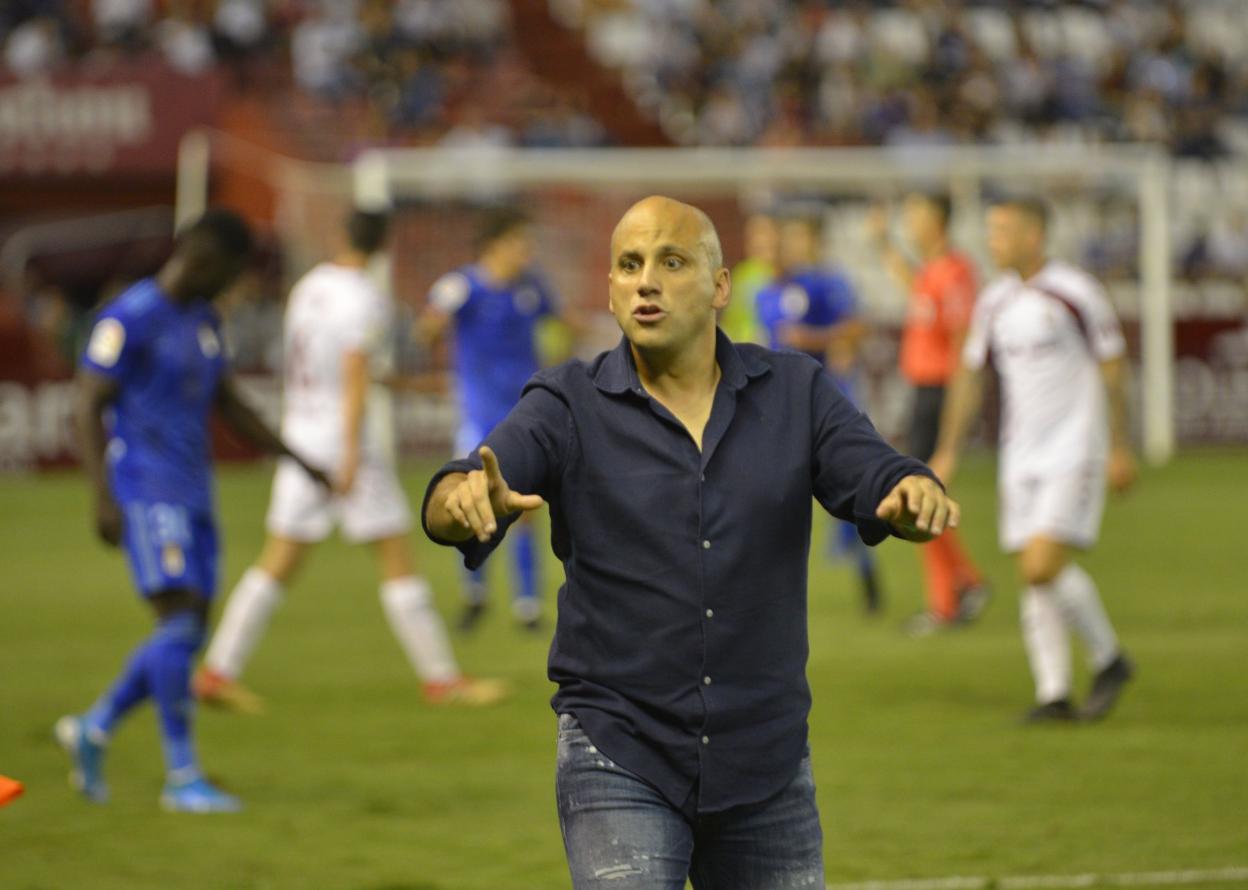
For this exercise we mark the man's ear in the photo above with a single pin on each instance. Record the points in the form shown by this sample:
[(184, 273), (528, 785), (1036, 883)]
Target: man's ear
[(723, 288)]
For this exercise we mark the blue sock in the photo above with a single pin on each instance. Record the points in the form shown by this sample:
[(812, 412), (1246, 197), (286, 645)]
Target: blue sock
[(168, 659), (526, 565), (130, 689), (474, 586)]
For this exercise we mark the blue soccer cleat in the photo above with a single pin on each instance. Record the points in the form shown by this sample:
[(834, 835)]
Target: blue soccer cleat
[(86, 756), (198, 796)]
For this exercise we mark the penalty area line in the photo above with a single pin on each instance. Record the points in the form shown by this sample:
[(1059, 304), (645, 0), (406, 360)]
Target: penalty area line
[(1172, 878)]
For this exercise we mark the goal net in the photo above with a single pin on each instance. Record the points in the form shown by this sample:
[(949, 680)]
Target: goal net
[(1109, 213)]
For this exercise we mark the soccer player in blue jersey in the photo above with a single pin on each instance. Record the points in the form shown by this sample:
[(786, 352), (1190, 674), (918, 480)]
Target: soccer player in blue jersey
[(812, 308), (153, 372), (492, 307)]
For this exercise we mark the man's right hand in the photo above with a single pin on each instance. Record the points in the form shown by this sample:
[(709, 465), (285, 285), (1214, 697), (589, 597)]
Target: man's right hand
[(108, 521), (482, 495)]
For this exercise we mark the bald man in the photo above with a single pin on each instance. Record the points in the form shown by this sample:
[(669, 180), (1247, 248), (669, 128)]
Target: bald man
[(679, 469)]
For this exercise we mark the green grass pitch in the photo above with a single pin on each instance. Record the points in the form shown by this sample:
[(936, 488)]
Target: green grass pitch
[(351, 783)]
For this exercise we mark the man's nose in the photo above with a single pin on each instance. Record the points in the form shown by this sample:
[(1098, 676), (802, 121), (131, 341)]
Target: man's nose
[(647, 283)]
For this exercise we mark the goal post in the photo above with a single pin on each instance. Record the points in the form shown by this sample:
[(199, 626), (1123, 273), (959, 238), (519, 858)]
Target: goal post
[(1075, 180), (575, 197)]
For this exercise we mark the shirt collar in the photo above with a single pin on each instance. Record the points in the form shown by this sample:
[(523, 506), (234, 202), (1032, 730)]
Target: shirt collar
[(618, 372)]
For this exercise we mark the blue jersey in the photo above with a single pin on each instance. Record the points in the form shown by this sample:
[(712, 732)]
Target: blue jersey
[(818, 298), (495, 352), (167, 361)]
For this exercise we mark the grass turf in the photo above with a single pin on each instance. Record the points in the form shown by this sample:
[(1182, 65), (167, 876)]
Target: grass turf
[(351, 783)]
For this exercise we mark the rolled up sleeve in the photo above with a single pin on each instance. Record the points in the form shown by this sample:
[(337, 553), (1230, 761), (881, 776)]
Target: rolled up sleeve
[(531, 443), (853, 467)]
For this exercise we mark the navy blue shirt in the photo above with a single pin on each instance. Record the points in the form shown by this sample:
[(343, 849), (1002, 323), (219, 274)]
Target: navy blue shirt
[(681, 642)]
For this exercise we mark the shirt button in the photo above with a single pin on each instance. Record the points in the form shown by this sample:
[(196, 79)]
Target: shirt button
[(706, 681), (706, 739), (710, 613), (704, 477), (706, 545)]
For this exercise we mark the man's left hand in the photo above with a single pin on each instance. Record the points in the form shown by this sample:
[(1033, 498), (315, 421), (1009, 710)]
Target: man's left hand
[(918, 509)]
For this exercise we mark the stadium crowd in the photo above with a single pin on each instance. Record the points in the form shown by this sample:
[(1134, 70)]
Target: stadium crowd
[(408, 59), (928, 72), (810, 72)]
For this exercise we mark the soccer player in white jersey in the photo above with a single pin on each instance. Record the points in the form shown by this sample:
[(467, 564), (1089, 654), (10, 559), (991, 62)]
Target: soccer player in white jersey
[(1052, 335), (337, 322)]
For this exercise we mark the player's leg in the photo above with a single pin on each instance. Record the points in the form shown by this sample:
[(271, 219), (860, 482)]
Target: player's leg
[(300, 514), (173, 555), (864, 564), (407, 600), (526, 603), (1045, 636), (618, 831), (776, 844), (1074, 514), (953, 587), (182, 613), (376, 512), (246, 617), (85, 737)]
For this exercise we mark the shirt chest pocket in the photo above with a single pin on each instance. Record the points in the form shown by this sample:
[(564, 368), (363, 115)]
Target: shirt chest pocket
[(636, 518)]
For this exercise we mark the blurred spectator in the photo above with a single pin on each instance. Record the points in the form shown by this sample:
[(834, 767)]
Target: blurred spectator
[(1222, 251), (239, 27), (185, 41), (321, 47), (34, 47), (923, 72), (121, 23)]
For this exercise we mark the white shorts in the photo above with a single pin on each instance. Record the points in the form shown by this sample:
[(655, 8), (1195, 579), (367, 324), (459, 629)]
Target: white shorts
[(375, 508), (1063, 505)]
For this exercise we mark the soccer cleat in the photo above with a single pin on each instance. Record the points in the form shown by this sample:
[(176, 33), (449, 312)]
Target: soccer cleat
[(219, 691), (972, 601), (466, 691), (198, 796), (470, 617), (86, 775), (1106, 687), (926, 624), (528, 613), (1059, 711)]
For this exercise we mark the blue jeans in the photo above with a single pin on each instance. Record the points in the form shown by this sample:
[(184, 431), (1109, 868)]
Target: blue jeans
[(621, 834)]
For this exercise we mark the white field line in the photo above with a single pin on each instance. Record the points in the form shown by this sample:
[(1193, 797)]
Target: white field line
[(1059, 882)]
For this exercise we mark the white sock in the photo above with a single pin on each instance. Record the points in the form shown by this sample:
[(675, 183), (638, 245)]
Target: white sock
[(408, 603), (1081, 604), (246, 616), (1048, 647)]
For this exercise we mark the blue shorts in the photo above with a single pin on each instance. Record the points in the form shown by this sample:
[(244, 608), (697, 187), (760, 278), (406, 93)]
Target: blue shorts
[(170, 547)]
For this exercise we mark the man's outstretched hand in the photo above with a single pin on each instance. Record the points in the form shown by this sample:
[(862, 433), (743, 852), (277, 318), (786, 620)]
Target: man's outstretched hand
[(918, 509), (482, 495)]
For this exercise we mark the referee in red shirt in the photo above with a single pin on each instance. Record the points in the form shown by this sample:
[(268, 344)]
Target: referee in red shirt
[(942, 291)]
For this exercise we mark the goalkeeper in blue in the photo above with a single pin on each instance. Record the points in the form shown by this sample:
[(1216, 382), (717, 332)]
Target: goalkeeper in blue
[(153, 372)]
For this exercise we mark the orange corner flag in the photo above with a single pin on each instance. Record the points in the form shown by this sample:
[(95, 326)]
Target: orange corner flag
[(10, 790)]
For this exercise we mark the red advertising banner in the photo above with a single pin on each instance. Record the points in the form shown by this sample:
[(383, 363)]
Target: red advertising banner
[(122, 118), (1211, 399)]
